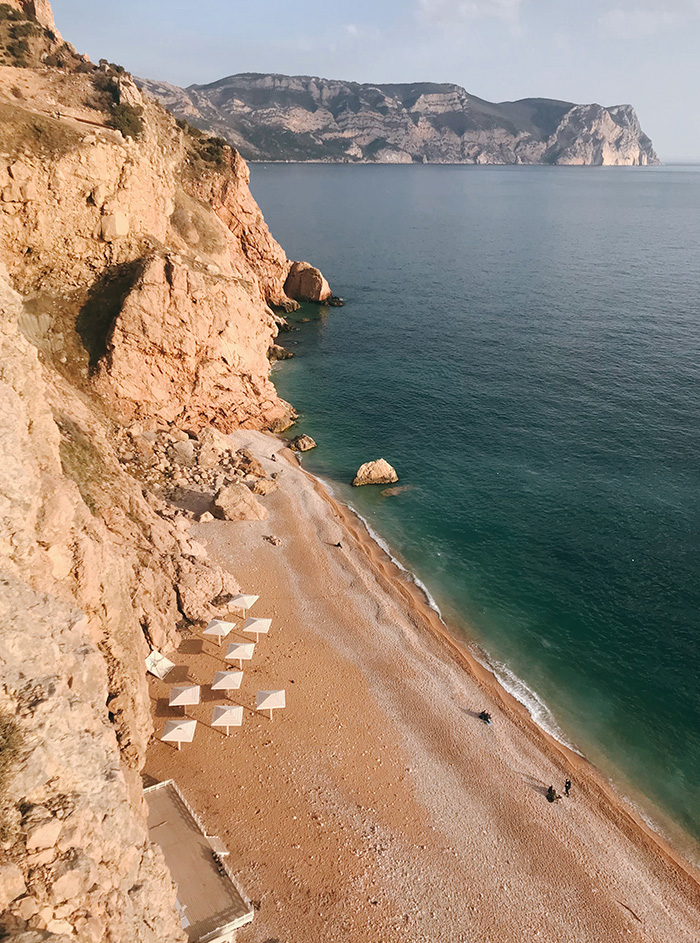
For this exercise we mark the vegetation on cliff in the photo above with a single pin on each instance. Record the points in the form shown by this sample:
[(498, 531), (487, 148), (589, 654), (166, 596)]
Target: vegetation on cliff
[(136, 279), (305, 118)]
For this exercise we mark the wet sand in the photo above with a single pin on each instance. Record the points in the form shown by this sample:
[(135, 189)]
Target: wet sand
[(377, 806)]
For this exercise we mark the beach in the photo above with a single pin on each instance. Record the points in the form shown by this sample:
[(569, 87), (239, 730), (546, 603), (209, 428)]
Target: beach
[(377, 805)]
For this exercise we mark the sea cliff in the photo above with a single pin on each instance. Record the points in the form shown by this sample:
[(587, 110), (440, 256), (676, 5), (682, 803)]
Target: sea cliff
[(305, 118), (140, 294)]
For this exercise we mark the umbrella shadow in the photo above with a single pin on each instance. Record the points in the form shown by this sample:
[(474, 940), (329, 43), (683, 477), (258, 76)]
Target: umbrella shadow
[(163, 709), (191, 646), (178, 674), (209, 695)]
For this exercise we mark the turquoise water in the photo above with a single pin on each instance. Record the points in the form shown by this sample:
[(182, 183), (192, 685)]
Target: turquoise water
[(523, 345)]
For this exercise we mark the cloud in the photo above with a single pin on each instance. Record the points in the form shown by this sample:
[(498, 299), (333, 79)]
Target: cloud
[(454, 12), (632, 18)]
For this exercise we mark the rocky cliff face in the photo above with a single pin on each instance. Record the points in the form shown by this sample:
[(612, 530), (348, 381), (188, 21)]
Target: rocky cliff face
[(136, 279), (279, 117)]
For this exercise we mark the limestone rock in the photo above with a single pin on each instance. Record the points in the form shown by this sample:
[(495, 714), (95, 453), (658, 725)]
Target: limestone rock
[(379, 472), (306, 283), (115, 225), (302, 443), (236, 503), (249, 464), (12, 884), (43, 834), (213, 446), (40, 10), (328, 120), (182, 452), (277, 352), (200, 587), (283, 422), (183, 350), (128, 92), (264, 486)]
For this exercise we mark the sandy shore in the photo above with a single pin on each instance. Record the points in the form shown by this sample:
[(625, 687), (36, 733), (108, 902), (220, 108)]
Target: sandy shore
[(377, 806)]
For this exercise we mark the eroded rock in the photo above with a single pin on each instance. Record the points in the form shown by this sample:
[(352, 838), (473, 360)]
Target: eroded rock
[(379, 472), (302, 443), (306, 283), (236, 503), (264, 486)]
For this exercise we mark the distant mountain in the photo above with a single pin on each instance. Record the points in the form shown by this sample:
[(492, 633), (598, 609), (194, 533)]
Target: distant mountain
[(302, 118)]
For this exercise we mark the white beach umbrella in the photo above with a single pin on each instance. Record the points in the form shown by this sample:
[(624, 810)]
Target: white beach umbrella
[(179, 731), (158, 665), (244, 601), (270, 701), (257, 627), (227, 681), (227, 715), (184, 695), (240, 652), (219, 629)]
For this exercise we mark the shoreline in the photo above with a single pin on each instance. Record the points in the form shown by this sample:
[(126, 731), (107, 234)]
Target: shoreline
[(435, 622), (377, 805)]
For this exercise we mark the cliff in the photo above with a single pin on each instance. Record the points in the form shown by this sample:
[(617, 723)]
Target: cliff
[(303, 118), (137, 285)]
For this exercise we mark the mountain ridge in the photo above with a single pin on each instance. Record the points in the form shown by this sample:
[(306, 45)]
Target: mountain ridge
[(271, 116)]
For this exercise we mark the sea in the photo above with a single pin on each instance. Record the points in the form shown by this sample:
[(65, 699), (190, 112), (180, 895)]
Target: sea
[(523, 345)]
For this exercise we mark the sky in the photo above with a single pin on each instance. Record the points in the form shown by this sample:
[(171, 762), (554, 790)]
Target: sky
[(640, 52)]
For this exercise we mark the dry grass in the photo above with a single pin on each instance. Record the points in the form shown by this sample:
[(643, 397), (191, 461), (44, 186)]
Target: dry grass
[(24, 131), (193, 221), (10, 746)]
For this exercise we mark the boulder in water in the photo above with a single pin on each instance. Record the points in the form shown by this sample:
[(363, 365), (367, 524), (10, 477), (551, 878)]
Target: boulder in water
[(302, 443), (375, 473)]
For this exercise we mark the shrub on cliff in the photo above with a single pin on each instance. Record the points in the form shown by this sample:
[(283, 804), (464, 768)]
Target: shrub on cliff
[(17, 51), (8, 13), (213, 150), (10, 743), (127, 119)]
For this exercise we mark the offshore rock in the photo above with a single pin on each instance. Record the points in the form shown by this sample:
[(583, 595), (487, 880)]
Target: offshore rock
[(277, 352), (302, 443), (306, 283), (375, 473)]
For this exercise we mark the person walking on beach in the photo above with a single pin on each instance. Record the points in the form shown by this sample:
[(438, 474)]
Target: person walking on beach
[(567, 787), (552, 794)]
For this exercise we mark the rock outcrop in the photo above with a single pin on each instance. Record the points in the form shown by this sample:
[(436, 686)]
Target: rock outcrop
[(236, 503), (379, 472), (39, 10), (306, 283), (304, 118), (302, 443), (136, 279)]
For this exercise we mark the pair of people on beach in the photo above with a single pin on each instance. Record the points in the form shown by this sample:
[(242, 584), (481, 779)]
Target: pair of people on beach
[(553, 795)]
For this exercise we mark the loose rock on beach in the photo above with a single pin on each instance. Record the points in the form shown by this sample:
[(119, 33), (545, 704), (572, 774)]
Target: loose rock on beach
[(375, 473), (237, 503)]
